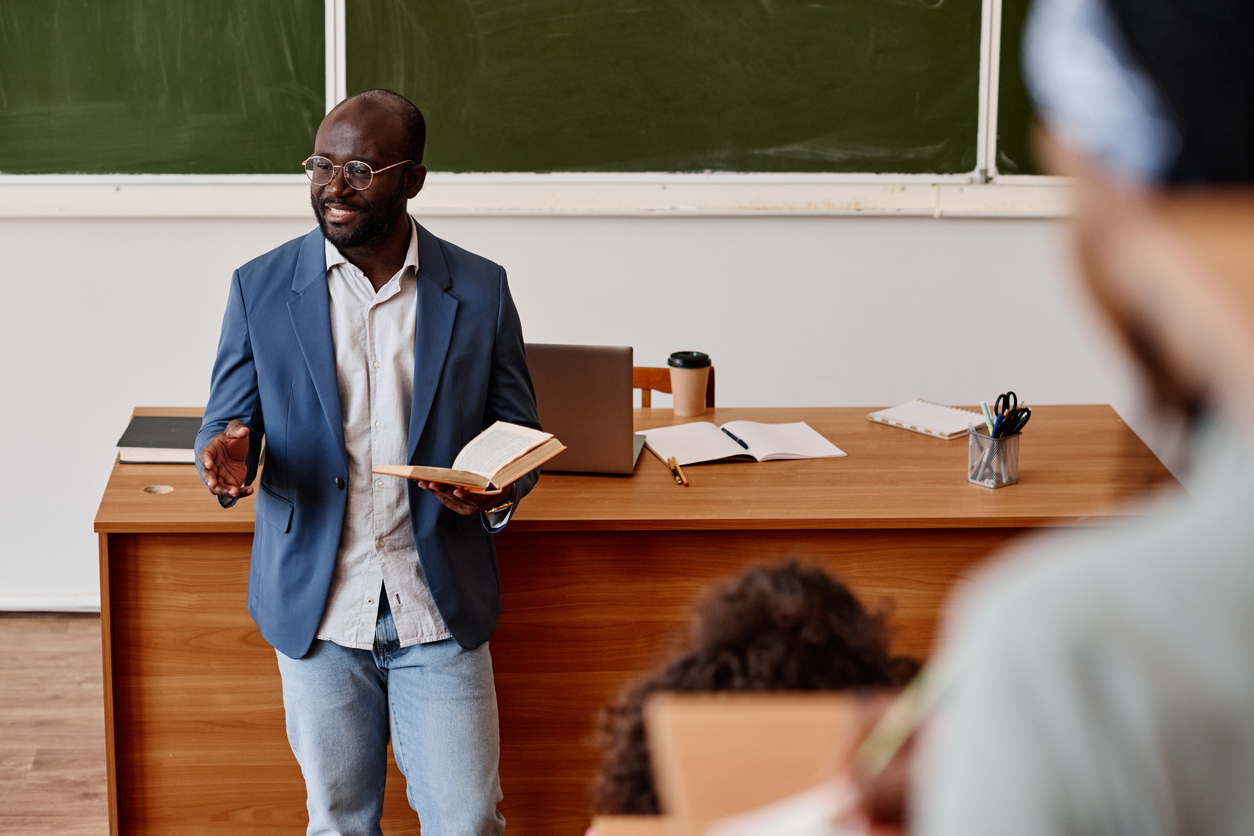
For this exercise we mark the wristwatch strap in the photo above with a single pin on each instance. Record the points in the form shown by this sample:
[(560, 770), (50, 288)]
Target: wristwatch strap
[(506, 505)]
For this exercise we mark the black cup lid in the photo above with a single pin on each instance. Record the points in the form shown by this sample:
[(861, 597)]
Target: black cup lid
[(689, 360)]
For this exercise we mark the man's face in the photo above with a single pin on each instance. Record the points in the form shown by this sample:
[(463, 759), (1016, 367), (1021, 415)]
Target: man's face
[(374, 135), (1137, 284)]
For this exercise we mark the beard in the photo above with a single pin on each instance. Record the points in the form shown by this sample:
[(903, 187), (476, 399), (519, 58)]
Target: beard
[(375, 218)]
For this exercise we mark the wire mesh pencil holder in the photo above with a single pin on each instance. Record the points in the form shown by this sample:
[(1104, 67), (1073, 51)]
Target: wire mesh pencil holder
[(992, 462)]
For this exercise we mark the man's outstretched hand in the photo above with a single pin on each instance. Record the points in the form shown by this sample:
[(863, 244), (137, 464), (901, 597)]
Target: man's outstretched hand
[(225, 462)]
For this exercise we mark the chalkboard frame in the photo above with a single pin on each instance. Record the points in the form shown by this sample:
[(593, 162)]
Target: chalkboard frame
[(621, 192)]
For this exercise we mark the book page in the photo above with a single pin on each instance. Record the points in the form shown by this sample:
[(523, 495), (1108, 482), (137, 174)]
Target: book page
[(797, 440), (699, 441), (155, 455), (495, 447), (443, 475), (528, 462)]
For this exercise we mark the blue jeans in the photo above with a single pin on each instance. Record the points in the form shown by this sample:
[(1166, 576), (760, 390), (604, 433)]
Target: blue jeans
[(440, 701)]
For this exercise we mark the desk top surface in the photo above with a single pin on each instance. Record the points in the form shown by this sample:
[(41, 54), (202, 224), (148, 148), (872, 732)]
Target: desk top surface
[(1077, 465)]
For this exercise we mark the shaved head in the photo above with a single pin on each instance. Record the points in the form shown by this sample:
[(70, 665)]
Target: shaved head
[(406, 111)]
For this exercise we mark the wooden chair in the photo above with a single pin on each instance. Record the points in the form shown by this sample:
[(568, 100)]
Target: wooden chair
[(650, 379)]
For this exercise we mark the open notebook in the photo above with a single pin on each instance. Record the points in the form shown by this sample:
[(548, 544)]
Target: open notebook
[(702, 441)]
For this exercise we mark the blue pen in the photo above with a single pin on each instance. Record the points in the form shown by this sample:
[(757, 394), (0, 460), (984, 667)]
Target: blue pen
[(988, 416), (733, 438)]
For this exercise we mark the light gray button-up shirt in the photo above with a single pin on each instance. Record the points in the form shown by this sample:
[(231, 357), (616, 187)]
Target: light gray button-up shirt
[(374, 362)]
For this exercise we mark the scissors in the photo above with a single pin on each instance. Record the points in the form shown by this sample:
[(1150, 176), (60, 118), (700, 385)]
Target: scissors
[(1013, 422), (1005, 404)]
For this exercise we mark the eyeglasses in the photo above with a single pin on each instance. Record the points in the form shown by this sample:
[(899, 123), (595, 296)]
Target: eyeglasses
[(357, 174)]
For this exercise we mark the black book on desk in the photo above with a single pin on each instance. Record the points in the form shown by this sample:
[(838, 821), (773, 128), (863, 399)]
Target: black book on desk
[(159, 439)]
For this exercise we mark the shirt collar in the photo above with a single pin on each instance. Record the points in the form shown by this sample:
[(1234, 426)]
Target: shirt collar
[(336, 258)]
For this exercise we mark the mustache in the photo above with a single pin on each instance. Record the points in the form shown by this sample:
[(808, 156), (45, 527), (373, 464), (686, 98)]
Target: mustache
[(335, 203)]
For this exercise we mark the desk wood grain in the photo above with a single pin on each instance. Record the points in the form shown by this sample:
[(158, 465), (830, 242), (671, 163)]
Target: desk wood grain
[(1078, 465), (598, 578)]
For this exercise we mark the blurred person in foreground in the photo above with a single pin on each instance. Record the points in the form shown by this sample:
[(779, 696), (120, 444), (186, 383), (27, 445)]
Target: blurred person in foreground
[(786, 627), (1103, 680)]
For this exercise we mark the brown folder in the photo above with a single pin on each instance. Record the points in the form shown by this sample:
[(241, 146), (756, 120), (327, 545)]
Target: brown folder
[(717, 755)]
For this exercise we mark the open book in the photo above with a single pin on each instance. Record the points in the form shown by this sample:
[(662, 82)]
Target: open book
[(493, 460), (702, 441)]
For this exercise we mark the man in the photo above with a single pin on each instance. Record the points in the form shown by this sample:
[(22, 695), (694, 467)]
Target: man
[(1104, 681), (369, 341)]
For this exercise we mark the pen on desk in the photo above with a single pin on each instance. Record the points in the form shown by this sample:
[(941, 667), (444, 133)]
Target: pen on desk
[(682, 476), (674, 466), (733, 438), (988, 417)]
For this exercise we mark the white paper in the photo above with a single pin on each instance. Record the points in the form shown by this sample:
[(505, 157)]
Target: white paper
[(702, 441), (825, 810), (797, 440), (156, 455), (929, 418), (699, 441)]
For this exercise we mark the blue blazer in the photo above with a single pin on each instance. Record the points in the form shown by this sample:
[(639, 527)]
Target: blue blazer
[(275, 371)]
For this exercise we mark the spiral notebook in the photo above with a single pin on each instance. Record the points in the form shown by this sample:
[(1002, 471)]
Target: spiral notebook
[(928, 418)]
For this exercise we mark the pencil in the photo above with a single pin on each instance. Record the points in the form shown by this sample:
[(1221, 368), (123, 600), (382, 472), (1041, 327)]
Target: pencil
[(681, 472), (902, 719), (674, 466)]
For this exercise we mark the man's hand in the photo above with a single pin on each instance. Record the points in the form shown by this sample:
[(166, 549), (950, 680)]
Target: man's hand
[(882, 805), (463, 501), (225, 462)]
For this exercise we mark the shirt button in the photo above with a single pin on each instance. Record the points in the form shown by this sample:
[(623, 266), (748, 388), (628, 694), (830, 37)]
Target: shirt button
[(369, 600), (377, 364), (339, 483), (379, 484), (379, 543), (378, 425)]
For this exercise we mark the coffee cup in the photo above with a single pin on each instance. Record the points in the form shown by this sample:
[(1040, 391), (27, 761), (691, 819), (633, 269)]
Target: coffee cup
[(690, 373)]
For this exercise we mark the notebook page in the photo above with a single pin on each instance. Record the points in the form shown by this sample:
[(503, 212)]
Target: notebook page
[(797, 440), (699, 441)]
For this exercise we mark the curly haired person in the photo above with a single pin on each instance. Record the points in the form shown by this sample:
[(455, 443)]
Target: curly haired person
[(787, 627)]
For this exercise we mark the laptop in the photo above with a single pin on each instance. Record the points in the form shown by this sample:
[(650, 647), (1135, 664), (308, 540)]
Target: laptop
[(583, 393)]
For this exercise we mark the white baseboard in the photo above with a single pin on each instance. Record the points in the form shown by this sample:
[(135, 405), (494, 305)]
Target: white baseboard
[(83, 603)]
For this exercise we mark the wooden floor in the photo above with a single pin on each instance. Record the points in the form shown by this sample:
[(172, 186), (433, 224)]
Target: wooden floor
[(52, 755)]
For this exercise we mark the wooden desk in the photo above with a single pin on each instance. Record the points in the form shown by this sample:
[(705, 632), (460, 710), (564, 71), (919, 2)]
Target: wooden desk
[(598, 576)]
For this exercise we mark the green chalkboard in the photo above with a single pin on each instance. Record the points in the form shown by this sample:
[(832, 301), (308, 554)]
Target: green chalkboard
[(680, 85), (1014, 108), (159, 86)]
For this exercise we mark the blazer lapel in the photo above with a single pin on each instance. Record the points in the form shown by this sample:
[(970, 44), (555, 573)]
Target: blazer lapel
[(310, 310), (437, 311)]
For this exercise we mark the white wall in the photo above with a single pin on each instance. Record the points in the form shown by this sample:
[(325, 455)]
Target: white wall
[(103, 315)]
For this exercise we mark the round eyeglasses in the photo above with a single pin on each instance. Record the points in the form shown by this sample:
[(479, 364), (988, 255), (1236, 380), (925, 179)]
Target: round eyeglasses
[(357, 174)]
